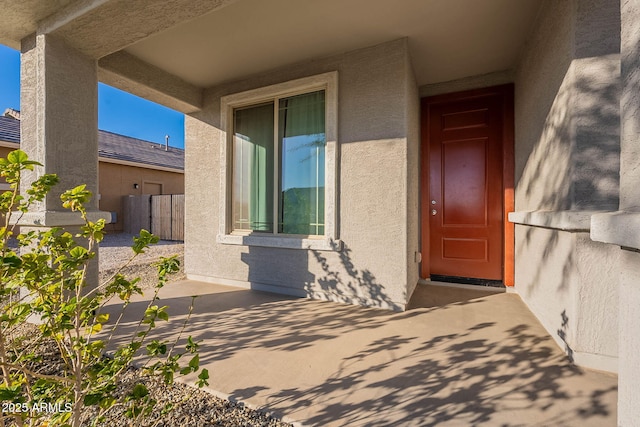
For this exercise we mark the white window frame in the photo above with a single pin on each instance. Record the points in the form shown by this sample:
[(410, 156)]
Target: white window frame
[(329, 241)]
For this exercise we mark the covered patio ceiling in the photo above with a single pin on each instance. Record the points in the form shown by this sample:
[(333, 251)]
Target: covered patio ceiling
[(168, 51), (448, 39)]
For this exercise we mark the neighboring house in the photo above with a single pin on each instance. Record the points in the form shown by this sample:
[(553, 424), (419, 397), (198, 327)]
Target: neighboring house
[(127, 166), (347, 150), (9, 139)]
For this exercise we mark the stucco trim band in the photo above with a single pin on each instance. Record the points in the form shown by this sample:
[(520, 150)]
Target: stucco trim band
[(573, 221), (57, 218), (617, 228), (12, 145)]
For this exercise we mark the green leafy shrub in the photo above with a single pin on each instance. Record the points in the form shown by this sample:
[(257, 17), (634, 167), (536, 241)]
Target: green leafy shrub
[(43, 276)]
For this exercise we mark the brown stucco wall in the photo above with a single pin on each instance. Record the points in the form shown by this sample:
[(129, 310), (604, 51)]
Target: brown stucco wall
[(116, 180), (3, 153)]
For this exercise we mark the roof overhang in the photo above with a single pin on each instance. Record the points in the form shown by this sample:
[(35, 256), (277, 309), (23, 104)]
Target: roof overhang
[(169, 51), (9, 144)]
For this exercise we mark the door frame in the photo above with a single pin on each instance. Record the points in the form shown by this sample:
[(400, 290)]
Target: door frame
[(505, 94)]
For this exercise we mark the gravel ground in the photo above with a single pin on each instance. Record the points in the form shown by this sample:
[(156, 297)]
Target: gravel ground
[(192, 407), (115, 251)]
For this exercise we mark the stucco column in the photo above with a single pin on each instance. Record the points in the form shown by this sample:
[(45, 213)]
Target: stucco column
[(59, 127), (622, 228), (629, 375)]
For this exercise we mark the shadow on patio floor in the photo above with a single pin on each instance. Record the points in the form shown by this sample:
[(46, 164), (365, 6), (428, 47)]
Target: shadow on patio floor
[(481, 360)]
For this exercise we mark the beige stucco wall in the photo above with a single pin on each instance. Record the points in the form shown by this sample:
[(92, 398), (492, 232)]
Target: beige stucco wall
[(413, 180), (497, 78), (567, 159), (377, 139), (116, 180), (629, 373), (622, 229), (567, 109)]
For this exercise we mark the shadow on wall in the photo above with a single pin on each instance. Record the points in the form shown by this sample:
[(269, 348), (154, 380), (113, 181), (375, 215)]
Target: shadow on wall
[(562, 333), (340, 280), (349, 284), (574, 162), (284, 268)]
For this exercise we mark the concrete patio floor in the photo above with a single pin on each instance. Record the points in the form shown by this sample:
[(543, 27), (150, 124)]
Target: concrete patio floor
[(457, 357)]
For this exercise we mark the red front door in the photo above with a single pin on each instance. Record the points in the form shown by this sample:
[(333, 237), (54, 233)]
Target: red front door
[(464, 211)]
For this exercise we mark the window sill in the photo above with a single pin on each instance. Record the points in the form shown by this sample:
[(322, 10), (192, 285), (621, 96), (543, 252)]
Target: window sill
[(271, 241)]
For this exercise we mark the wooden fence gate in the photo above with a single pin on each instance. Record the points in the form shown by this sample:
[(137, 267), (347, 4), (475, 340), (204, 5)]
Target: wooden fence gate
[(162, 215)]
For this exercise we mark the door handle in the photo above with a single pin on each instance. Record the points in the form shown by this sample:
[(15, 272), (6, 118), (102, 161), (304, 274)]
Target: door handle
[(433, 212)]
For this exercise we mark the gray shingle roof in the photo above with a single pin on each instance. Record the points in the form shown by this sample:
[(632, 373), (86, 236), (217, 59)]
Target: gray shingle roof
[(9, 129), (113, 146), (120, 147)]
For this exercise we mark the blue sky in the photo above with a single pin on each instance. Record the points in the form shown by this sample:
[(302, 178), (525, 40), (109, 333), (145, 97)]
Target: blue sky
[(118, 111)]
